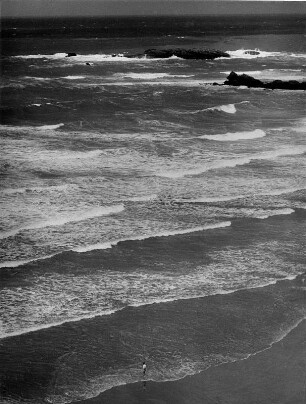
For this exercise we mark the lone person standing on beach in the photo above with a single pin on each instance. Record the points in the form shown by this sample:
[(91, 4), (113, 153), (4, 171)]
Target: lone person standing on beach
[(144, 368)]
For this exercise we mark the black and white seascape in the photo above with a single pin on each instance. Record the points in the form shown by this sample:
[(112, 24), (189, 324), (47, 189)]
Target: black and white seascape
[(139, 200)]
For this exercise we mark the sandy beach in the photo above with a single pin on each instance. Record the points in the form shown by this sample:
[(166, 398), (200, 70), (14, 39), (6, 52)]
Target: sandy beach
[(276, 375)]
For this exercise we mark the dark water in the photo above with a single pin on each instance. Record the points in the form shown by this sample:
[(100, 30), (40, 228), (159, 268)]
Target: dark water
[(137, 198)]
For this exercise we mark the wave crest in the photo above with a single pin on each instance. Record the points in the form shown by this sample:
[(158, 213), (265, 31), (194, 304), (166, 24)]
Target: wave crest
[(294, 151), (50, 127), (230, 137), (67, 218), (110, 244)]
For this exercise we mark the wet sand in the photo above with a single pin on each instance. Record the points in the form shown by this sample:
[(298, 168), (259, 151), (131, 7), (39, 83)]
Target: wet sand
[(276, 376)]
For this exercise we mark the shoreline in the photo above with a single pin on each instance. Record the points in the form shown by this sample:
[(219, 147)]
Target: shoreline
[(210, 332), (275, 375), (181, 299)]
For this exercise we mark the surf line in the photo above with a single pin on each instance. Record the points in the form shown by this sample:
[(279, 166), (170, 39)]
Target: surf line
[(109, 244)]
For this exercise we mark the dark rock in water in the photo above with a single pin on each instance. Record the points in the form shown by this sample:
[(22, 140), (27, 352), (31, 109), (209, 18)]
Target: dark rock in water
[(235, 79), (286, 85), (251, 52), (69, 54), (88, 64), (185, 53)]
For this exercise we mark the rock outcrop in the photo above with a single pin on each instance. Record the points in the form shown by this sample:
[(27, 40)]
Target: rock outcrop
[(69, 54), (235, 79), (185, 53)]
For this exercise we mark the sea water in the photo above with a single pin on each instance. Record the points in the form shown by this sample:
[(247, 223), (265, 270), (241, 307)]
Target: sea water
[(134, 181)]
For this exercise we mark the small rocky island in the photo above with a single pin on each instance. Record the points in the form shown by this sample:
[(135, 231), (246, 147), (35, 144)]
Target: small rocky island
[(235, 79)]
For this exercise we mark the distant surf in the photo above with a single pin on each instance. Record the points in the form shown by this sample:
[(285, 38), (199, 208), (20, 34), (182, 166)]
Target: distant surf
[(98, 57), (150, 76), (257, 53)]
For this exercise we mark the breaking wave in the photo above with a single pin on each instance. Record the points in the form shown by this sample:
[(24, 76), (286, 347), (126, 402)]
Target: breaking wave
[(229, 137), (110, 244), (13, 191), (150, 76), (67, 218), (99, 57), (50, 127), (257, 53), (276, 212), (231, 163), (74, 77)]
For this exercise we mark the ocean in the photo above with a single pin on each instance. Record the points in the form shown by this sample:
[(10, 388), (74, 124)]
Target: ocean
[(146, 213)]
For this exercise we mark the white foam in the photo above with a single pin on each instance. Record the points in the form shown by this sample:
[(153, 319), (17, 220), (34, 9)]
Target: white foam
[(276, 192), (12, 191), (150, 76), (67, 218), (286, 151), (37, 78), (229, 137), (142, 198), (241, 54), (74, 77), (276, 212), (56, 323), (110, 244), (229, 109), (251, 72), (39, 56), (15, 264), (99, 57), (215, 199), (50, 127)]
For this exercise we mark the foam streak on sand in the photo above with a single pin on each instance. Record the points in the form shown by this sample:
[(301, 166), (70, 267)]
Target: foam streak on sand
[(230, 137), (110, 244), (67, 218)]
